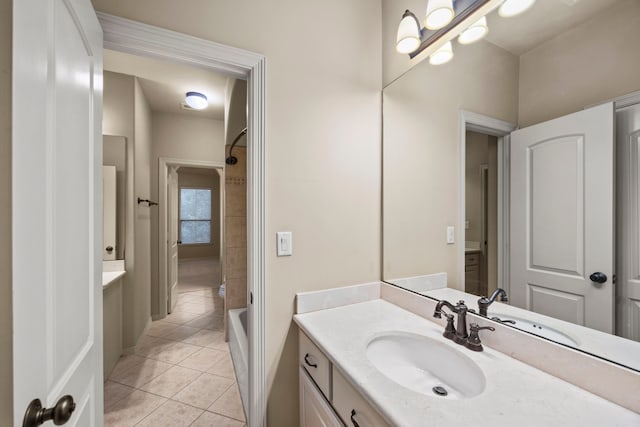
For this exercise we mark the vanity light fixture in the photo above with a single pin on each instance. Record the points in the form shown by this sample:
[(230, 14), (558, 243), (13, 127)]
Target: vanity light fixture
[(442, 55), (439, 14), (196, 100), (475, 32), (514, 7), (408, 38)]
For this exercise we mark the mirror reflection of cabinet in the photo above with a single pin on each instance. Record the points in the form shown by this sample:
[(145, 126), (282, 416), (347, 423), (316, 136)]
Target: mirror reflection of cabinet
[(109, 213)]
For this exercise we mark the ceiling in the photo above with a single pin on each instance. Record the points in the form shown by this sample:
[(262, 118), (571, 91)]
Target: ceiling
[(544, 21), (165, 83)]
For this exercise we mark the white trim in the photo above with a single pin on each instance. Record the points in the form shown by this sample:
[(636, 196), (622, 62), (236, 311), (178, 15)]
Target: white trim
[(495, 127), (623, 101), (141, 39), (504, 196), (163, 170)]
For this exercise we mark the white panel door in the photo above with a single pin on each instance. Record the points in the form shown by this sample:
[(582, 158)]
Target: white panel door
[(562, 229), (172, 233), (57, 207), (628, 246)]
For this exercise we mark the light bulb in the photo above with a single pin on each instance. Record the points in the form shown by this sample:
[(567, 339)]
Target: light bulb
[(442, 55), (196, 100), (408, 39), (439, 14), (475, 32), (514, 7)]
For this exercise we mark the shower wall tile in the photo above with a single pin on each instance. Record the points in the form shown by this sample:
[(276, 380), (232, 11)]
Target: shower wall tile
[(235, 220)]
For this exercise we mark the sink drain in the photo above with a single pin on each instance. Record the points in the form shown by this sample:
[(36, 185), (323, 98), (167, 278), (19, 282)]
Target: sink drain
[(440, 391)]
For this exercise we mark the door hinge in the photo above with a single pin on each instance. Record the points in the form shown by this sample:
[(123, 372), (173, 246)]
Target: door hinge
[(614, 279), (250, 297)]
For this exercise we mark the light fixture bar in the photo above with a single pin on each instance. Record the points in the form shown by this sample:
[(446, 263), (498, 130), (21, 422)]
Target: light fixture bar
[(463, 9)]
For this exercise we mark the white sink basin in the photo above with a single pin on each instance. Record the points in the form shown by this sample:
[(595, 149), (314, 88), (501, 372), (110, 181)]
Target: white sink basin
[(537, 329), (422, 364)]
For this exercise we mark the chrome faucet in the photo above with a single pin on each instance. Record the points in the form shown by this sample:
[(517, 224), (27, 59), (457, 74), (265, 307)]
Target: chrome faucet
[(460, 309), (484, 302)]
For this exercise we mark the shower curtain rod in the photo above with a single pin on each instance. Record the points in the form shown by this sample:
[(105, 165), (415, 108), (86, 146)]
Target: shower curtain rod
[(231, 160)]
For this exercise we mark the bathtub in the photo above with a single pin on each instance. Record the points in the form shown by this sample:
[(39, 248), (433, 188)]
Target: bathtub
[(239, 346)]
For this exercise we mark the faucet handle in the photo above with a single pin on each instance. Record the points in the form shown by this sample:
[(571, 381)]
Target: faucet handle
[(497, 319), (473, 341), (450, 329)]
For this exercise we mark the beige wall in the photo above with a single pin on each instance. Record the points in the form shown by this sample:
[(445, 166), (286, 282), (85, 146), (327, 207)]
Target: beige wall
[(142, 245), (126, 113), (212, 182), (178, 136), (421, 158), (323, 113), (593, 62), (6, 321)]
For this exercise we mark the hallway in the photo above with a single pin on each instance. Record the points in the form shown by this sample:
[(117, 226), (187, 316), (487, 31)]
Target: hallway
[(182, 374)]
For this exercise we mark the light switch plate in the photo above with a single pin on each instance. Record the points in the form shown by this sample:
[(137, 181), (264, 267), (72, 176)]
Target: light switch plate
[(451, 237), (284, 243)]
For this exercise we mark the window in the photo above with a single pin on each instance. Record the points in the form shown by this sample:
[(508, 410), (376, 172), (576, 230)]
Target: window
[(195, 215)]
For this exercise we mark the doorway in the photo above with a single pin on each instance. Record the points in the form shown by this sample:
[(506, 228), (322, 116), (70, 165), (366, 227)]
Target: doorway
[(481, 226), (133, 37), (483, 215)]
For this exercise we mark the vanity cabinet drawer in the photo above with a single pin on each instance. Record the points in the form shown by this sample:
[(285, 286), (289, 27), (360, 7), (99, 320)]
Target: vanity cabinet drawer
[(472, 259), (315, 363), (351, 406)]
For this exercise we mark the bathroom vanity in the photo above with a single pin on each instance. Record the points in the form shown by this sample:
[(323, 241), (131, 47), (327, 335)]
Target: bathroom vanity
[(112, 280), (373, 355)]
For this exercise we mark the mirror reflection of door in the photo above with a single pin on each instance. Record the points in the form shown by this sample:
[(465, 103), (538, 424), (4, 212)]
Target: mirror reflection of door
[(562, 205), (481, 186)]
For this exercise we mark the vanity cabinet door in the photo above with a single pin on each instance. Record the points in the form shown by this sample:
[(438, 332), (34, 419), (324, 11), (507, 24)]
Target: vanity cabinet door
[(351, 406), (315, 363), (314, 408)]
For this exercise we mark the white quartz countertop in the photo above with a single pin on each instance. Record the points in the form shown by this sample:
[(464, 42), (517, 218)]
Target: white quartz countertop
[(515, 393), (109, 277)]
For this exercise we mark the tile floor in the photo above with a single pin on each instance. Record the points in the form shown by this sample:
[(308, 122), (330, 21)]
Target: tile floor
[(182, 374)]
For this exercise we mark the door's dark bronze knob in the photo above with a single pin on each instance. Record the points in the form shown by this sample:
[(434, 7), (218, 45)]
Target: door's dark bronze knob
[(598, 277), (109, 249), (61, 413)]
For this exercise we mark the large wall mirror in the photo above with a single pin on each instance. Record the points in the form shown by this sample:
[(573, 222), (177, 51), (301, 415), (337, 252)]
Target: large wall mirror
[(516, 166), (116, 161)]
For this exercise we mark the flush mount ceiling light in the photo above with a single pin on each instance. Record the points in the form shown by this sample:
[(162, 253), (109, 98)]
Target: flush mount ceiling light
[(442, 55), (475, 32), (514, 7), (408, 39), (439, 14), (196, 100)]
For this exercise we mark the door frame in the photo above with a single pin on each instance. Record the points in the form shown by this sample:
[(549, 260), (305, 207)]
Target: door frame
[(501, 129), (163, 170), (141, 39)]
